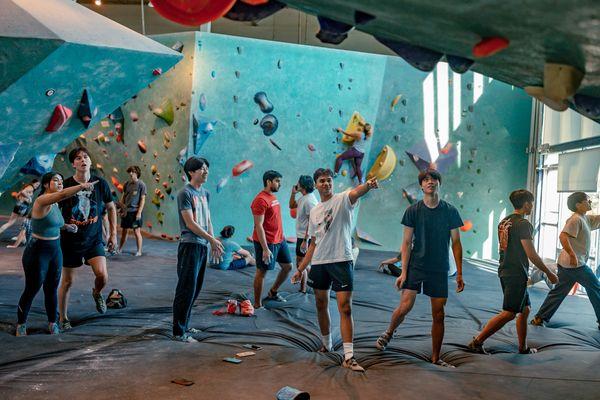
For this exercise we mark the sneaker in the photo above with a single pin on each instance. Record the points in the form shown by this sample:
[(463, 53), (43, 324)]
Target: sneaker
[(383, 340), (442, 363), (53, 328), (529, 350), (185, 339), (537, 321), (274, 296), (100, 303), (232, 306), (476, 347), (138, 254), (13, 239), (65, 325), (21, 330), (246, 308), (193, 330), (352, 364)]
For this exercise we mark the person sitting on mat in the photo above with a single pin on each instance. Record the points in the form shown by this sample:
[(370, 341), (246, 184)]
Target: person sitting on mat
[(234, 257), (515, 236), (392, 266), (356, 152)]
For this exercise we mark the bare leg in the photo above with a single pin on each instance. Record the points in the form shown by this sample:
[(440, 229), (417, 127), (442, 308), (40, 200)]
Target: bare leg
[(344, 301), (495, 324), (407, 301), (20, 239), (66, 281), (437, 327), (281, 276), (11, 221), (522, 328), (322, 303), (259, 278), (124, 232), (138, 239), (98, 265)]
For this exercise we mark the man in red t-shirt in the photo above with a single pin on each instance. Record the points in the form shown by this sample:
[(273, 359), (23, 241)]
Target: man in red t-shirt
[(269, 244)]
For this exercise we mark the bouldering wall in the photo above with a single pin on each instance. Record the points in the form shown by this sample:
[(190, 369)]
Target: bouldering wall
[(234, 99), (62, 68), (474, 129)]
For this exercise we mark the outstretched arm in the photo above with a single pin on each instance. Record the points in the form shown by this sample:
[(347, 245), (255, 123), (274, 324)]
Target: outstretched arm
[(354, 135), (50, 198), (363, 189)]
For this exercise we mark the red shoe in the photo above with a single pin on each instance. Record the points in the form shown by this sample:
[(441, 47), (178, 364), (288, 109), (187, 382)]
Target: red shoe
[(246, 308), (231, 306)]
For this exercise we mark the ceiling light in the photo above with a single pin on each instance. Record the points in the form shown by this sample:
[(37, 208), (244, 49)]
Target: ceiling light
[(98, 2), (150, 4)]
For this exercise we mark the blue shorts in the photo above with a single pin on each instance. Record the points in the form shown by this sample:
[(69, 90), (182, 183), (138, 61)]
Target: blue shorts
[(281, 255), (432, 284)]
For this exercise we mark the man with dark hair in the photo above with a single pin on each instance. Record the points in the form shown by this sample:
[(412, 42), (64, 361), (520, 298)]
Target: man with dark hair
[(330, 253), (134, 199), (306, 202), (575, 239), (429, 226), (86, 245), (192, 252), (269, 244), (515, 236)]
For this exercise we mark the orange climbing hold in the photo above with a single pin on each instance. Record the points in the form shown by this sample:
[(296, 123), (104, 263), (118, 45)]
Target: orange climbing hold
[(490, 46), (242, 167), (142, 146), (468, 225)]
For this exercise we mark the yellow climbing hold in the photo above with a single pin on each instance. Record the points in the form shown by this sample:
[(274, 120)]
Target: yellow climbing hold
[(384, 164), (353, 125), (153, 169)]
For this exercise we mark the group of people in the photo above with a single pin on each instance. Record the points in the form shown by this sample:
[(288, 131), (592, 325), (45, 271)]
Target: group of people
[(70, 211)]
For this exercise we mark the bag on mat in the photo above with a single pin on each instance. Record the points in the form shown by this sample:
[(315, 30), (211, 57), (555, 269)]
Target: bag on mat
[(116, 299)]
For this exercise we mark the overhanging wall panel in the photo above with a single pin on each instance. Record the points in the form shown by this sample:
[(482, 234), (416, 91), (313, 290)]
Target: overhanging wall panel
[(578, 171)]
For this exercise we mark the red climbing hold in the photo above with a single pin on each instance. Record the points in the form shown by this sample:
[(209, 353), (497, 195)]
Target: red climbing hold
[(192, 12), (157, 71), (490, 46), (468, 225), (242, 167), (59, 118), (115, 181)]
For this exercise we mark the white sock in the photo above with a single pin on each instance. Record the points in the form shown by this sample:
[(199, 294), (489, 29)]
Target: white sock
[(348, 351), (326, 340)]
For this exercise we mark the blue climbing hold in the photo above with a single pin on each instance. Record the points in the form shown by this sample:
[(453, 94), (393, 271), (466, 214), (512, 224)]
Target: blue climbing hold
[(263, 102), (419, 57), (269, 124)]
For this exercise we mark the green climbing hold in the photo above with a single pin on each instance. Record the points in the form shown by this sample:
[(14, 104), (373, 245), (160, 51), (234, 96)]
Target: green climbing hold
[(165, 111)]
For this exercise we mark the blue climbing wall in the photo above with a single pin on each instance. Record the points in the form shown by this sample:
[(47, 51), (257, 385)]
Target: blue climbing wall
[(477, 130)]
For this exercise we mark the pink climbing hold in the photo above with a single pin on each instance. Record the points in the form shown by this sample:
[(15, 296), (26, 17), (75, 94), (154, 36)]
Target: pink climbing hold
[(59, 118), (490, 46), (242, 167), (311, 147), (157, 71), (134, 116)]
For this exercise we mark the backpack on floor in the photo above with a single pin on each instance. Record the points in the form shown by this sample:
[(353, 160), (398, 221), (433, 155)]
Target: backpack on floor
[(116, 299)]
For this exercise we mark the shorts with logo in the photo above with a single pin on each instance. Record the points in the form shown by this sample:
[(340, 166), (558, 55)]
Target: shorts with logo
[(338, 276), (280, 251), (432, 284)]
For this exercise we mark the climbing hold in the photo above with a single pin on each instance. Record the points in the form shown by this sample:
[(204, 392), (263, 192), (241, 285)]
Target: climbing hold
[(235, 98), (192, 12), (87, 110), (242, 167), (115, 181), (561, 81), (134, 116), (165, 184), (213, 74), (202, 102), (353, 125), (263, 102), (332, 31), (39, 165), (221, 184), (311, 147), (235, 124), (365, 237), (50, 92), (178, 46), (155, 154), (153, 169), (160, 216), (587, 105), (99, 167), (165, 112), (420, 163), (115, 170), (361, 17), (344, 172), (409, 197), (60, 116), (467, 226), (279, 64), (458, 64), (397, 138), (157, 71), (275, 144), (539, 93), (269, 124), (460, 194), (419, 57), (141, 146), (395, 101), (243, 11), (384, 165), (340, 86), (237, 74), (239, 50), (490, 46)]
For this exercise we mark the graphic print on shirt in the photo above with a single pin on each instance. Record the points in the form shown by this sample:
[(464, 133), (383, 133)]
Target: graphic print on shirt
[(84, 210), (327, 220), (503, 229)]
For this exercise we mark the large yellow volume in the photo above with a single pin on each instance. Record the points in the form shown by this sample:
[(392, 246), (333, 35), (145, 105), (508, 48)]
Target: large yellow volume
[(353, 126), (384, 164)]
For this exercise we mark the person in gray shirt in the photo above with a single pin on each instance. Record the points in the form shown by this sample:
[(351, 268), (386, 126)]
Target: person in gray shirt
[(194, 243), (134, 199)]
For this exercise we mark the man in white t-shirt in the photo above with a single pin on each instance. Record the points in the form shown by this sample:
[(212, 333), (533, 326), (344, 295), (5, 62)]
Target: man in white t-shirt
[(306, 202), (572, 261), (330, 253)]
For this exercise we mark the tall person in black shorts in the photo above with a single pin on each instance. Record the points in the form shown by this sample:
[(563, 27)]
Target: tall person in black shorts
[(134, 199), (515, 236), (429, 226), (330, 253), (303, 205), (86, 245)]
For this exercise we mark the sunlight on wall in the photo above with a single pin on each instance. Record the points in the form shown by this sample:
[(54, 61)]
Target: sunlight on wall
[(477, 86), (456, 113), (487, 244), (429, 117), (442, 104)]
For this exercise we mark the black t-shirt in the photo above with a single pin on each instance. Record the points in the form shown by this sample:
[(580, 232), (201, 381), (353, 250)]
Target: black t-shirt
[(85, 210), (513, 259), (431, 235)]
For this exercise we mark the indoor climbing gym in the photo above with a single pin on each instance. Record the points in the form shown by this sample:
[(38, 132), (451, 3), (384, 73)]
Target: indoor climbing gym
[(296, 199)]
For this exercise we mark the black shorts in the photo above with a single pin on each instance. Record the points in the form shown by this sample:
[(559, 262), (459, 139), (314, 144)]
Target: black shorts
[(432, 284), (129, 221), (299, 252), (281, 255), (337, 276), (21, 209), (74, 257), (516, 297)]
